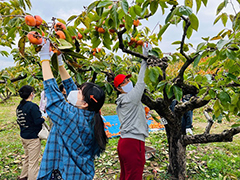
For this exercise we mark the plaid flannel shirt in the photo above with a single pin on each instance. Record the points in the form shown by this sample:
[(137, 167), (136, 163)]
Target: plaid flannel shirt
[(70, 146)]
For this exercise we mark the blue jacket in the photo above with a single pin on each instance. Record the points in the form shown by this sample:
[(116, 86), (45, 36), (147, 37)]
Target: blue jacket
[(71, 145)]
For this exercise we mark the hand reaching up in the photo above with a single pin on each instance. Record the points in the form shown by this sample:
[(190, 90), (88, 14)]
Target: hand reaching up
[(146, 48)]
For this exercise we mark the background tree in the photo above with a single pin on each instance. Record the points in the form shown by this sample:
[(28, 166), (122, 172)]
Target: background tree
[(112, 25)]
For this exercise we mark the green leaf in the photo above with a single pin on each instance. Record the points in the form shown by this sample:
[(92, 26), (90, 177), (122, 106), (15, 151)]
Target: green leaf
[(184, 10), (212, 60), (68, 36), (231, 54), (72, 30), (169, 90), (153, 75), (21, 44), (217, 19), (11, 33), (74, 54), (107, 41), (162, 30), (61, 20), (189, 33), (54, 61), (64, 44), (201, 46), (125, 6), (109, 88), (212, 93), (194, 21), (161, 85), (224, 18), (153, 7), (235, 98), (95, 40), (205, 2), (236, 22), (79, 78), (224, 97), (189, 3), (129, 22), (104, 3), (216, 105), (30, 79), (177, 92), (28, 4), (235, 125), (72, 17), (137, 9), (77, 22), (198, 2), (114, 15), (176, 42), (11, 88), (233, 77), (196, 60), (220, 7), (92, 6), (221, 43), (171, 14)]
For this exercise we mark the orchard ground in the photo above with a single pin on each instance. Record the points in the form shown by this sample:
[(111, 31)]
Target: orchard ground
[(204, 161)]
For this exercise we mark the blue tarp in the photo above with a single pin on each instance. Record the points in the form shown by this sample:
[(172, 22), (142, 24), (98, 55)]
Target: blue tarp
[(115, 124)]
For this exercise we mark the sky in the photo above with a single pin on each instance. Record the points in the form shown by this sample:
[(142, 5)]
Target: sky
[(63, 9)]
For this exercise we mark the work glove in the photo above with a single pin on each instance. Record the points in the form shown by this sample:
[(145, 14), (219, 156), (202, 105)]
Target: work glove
[(60, 60), (45, 53), (146, 48)]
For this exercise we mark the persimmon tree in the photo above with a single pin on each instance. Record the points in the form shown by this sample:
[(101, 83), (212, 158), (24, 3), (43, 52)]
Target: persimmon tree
[(211, 72)]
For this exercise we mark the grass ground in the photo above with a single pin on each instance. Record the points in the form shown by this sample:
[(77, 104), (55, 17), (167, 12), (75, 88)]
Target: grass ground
[(215, 161)]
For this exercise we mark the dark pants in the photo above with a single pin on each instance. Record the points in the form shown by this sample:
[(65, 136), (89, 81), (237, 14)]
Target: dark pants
[(131, 154)]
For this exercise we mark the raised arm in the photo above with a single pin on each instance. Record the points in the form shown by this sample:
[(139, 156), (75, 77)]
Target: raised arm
[(63, 72), (45, 56)]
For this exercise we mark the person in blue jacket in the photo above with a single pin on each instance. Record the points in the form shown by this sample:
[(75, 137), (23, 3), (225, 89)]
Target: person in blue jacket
[(29, 119), (77, 135)]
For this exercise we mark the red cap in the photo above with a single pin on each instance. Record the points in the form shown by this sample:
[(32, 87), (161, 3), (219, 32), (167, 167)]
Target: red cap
[(120, 78)]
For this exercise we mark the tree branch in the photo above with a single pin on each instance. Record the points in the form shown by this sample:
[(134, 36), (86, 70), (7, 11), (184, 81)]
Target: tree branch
[(188, 23), (225, 136), (192, 104), (210, 121), (20, 77)]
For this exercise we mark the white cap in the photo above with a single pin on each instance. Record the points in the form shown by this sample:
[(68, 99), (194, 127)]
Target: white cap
[(73, 97)]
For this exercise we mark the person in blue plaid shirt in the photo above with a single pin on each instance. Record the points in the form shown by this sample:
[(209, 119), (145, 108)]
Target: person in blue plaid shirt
[(77, 135)]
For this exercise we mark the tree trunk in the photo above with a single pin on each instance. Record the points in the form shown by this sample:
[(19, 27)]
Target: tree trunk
[(177, 154)]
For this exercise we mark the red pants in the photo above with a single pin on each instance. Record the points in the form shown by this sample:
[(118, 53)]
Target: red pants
[(131, 154)]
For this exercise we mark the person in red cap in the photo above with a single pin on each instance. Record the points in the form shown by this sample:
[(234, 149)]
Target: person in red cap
[(134, 128)]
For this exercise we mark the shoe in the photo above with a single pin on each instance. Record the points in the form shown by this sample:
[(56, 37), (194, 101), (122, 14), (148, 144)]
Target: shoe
[(189, 131)]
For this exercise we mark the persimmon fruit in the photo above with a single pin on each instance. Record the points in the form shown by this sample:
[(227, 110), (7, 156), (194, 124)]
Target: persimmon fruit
[(140, 42), (30, 20), (101, 30), (60, 35), (55, 50), (38, 20), (111, 30), (80, 36), (34, 37), (136, 22), (59, 26)]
